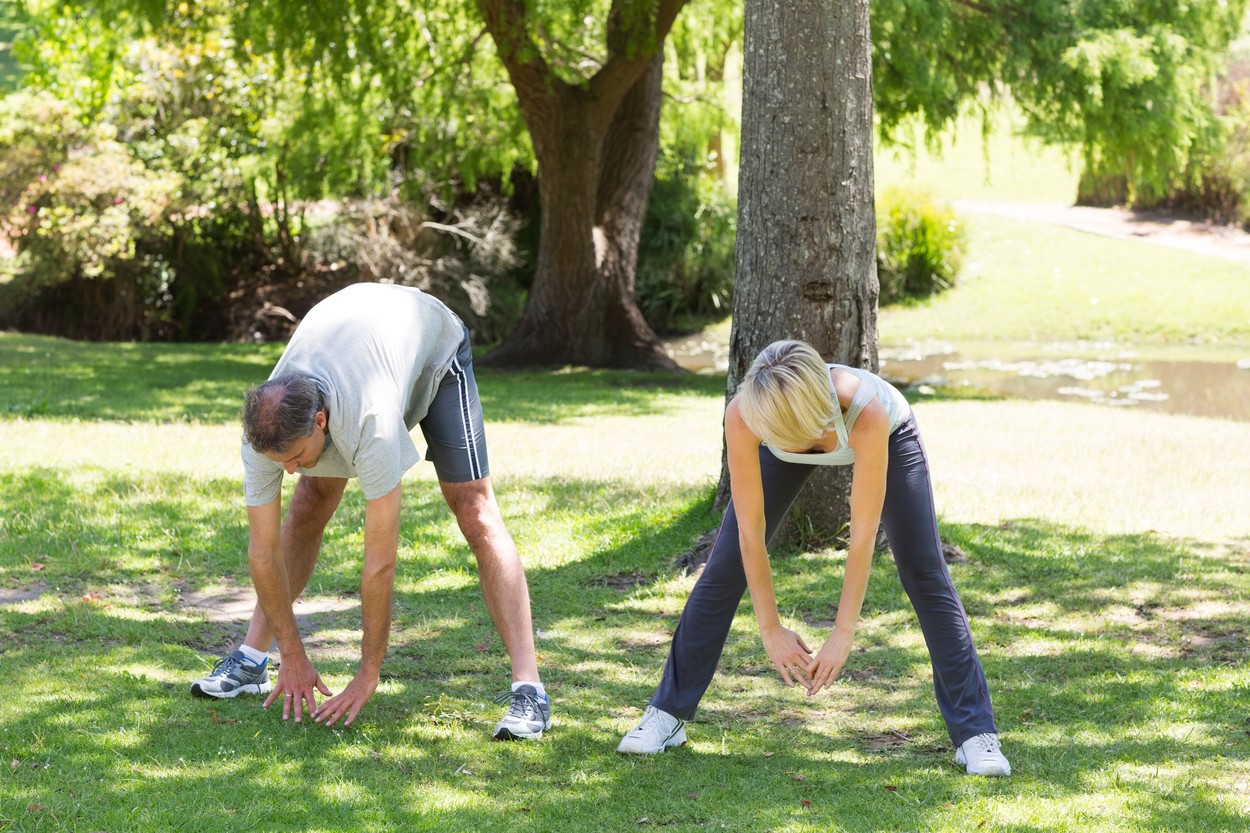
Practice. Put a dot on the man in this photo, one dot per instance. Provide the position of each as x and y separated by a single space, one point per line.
366 365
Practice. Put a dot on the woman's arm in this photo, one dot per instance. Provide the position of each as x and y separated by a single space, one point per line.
789 654
871 440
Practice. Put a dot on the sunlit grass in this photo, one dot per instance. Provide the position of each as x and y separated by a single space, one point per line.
1109 605
1029 282
1105 577
967 165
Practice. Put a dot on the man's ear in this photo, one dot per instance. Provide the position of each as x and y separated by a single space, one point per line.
322 419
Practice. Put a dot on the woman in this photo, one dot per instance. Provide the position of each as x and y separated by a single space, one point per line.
782 422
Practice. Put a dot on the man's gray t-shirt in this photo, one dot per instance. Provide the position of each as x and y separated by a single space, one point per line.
378 352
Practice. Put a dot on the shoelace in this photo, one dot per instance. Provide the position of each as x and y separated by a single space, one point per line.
985 743
226 665
524 705
650 717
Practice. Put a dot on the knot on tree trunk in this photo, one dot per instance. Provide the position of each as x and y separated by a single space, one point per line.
819 290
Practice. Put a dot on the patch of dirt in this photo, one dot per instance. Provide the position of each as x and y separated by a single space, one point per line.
236 605
14 595
621 581
893 739
231 610
694 558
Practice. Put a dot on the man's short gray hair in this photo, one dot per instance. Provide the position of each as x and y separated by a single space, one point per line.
281 411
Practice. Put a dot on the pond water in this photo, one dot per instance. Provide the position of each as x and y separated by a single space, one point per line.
1207 387
1168 380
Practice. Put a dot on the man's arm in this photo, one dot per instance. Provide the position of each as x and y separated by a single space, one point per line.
377 585
298 678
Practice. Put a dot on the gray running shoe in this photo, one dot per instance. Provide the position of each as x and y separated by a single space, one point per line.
528 715
232 675
657 731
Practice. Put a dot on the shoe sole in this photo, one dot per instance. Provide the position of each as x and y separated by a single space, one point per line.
253 688
504 733
993 772
678 739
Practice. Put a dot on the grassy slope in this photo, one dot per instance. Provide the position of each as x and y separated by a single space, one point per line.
1029 282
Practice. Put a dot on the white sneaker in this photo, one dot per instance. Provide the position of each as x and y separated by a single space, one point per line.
982 755
658 731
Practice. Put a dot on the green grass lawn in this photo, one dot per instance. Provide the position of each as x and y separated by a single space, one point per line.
1107 579
1037 283
1034 283
1109 604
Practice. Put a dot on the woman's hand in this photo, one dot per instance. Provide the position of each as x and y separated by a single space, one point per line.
824 668
789 653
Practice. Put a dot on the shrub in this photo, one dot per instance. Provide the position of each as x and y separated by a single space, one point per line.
686 255
85 214
463 256
920 246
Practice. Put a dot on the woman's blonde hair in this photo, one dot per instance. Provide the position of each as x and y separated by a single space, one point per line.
786 398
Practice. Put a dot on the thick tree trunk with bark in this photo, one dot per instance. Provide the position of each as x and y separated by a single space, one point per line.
596 146
806 256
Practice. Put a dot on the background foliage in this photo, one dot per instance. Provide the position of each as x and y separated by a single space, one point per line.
177 170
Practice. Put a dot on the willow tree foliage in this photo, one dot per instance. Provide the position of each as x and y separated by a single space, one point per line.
1129 83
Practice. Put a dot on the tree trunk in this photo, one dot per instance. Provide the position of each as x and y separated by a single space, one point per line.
596 145
806 262
593 190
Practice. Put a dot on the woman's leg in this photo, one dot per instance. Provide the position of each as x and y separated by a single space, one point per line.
704 624
911 525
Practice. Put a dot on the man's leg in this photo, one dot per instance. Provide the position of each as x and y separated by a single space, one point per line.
312 506
456 433
499 569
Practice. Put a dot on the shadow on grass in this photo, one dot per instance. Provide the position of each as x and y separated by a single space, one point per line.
1083 637
552 397
51 377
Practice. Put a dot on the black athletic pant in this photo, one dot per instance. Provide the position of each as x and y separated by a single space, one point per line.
910 523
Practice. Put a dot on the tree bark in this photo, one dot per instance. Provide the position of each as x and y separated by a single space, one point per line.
806 249
596 145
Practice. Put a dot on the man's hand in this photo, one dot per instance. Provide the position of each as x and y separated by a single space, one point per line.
789 653
827 664
349 702
297 685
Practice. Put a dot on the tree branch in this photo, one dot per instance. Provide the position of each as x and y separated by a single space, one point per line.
510 26
976 7
632 42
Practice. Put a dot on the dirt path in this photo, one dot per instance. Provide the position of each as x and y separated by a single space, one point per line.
1157 228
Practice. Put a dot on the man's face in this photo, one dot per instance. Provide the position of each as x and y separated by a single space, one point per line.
304 452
